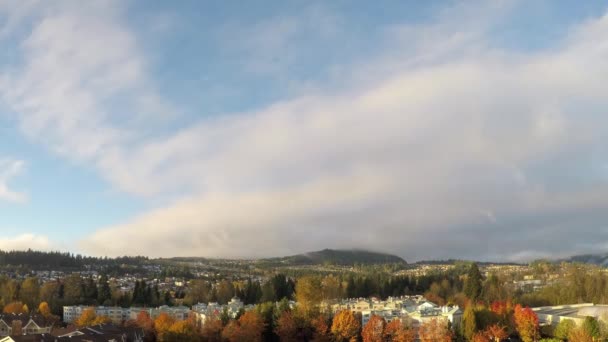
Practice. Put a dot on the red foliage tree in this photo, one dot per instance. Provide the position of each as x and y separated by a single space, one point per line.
526 323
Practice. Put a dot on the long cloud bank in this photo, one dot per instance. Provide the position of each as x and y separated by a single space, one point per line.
460 150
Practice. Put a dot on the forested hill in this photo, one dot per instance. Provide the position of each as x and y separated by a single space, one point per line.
337 257
594 259
58 260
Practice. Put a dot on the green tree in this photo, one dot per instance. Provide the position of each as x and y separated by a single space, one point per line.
564 328
104 295
592 327
473 283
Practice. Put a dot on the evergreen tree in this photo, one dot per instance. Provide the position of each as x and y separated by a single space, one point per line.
473 285
469 323
104 296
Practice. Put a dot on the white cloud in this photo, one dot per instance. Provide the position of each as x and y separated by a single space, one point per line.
410 161
24 242
10 168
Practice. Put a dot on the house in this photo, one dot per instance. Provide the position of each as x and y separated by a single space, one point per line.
22 324
104 332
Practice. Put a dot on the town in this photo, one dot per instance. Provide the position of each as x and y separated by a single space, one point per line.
250 300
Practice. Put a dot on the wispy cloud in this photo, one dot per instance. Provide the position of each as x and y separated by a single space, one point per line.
9 169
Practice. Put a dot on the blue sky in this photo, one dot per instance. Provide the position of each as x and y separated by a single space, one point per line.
271 128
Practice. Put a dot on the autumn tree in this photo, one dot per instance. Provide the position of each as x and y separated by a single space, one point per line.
73 290
320 327
496 332
373 331
469 322
29 292
331 287
16 308
308 295
526 323
145 322
480 336
434 330
346 326
162 324
212 330
248 328
286 327
50 292
44 309
183 331
87 317
397 331
101 320
579 335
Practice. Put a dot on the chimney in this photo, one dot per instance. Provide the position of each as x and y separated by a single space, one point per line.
17 327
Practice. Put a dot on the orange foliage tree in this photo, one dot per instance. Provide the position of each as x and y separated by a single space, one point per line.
396 331
321 329
480 336
496 332
15 308
373 331
212 330
434 331
248 328
526 323
346 326
286 327
145 322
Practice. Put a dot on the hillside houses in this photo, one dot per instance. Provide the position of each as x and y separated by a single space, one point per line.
415 309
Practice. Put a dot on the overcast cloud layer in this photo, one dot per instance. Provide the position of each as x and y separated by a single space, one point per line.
440 145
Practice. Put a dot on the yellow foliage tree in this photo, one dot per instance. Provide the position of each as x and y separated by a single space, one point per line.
87 318
163 323
346 326
44 309
101 320
308 295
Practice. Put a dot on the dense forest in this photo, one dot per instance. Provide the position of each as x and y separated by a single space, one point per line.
39 260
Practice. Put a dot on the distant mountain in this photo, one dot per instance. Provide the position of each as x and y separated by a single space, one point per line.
337 257
595 259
